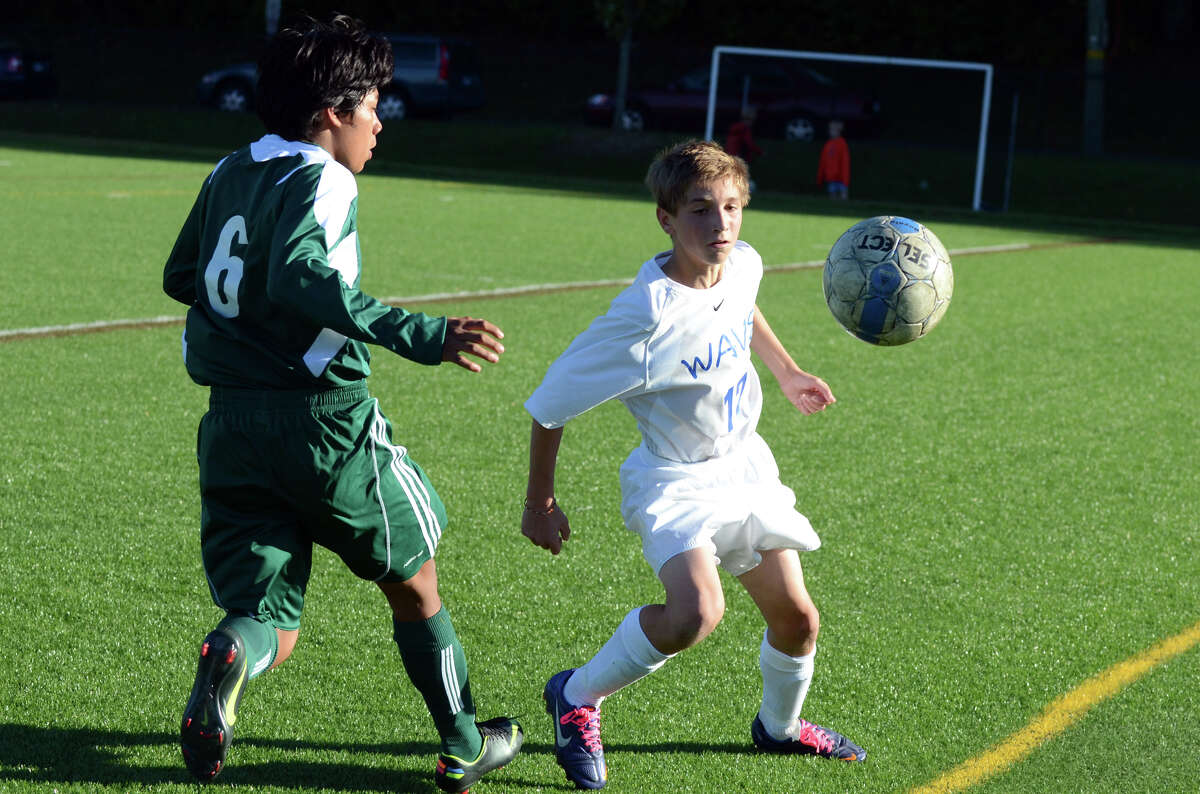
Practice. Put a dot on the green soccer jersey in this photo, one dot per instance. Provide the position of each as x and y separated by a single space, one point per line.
268 262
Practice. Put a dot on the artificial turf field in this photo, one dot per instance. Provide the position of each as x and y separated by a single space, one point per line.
1009 507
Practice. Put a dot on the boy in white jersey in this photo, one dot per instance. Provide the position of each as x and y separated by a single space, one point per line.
702 490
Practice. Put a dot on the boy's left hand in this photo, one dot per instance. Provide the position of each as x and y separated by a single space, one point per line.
547 529
807 392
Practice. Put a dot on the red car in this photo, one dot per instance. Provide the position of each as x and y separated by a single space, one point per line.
792 101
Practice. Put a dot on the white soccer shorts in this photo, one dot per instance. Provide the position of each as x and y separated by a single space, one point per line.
734 505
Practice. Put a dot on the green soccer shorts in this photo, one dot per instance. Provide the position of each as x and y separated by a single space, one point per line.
280 471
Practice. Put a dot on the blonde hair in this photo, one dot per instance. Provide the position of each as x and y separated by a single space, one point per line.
678 167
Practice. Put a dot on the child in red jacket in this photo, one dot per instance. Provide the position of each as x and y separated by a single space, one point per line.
833 169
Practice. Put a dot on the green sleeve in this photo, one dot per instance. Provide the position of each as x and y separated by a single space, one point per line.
303 277
413 335
179 275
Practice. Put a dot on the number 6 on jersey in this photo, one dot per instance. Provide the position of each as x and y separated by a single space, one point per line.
223 273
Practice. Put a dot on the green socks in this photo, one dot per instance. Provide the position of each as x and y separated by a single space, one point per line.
259 639
433 659
437 667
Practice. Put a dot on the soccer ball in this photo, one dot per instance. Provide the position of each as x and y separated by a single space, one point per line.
888 280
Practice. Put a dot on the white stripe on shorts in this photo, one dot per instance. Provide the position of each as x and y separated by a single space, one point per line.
414 488
387 526
431 528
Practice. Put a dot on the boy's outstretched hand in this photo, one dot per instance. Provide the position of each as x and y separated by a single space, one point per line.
807 392
471 336
545 526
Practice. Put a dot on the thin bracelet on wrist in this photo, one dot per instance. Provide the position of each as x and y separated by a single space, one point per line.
549 508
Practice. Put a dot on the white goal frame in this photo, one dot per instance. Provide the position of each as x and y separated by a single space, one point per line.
986 68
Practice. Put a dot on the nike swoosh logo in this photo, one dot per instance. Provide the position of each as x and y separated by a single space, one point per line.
231 701
559 739
719 305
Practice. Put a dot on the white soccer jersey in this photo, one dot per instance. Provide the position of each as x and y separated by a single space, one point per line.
677 357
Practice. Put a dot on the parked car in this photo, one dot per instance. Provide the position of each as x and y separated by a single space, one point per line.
25 73
792 101
230 88
433 75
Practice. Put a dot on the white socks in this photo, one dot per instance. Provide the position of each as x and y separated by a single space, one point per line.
627 656
785 685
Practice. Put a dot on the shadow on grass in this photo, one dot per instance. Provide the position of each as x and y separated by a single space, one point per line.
37 755
80 755
665 747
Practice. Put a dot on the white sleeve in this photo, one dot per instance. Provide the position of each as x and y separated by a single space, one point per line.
606 361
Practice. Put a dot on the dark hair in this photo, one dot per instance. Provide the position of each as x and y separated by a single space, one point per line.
312 65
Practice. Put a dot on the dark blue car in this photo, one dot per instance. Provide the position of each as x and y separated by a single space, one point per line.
433 76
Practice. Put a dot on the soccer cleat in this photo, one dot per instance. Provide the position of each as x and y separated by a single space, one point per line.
502 739
812 740
577 745
207 728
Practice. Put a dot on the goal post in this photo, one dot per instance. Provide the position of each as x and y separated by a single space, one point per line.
985 68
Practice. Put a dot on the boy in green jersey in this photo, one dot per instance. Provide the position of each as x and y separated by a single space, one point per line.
293 450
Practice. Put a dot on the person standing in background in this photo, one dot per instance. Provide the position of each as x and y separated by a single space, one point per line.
833 169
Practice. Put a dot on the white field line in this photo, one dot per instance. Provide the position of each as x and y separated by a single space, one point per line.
11 334
84 328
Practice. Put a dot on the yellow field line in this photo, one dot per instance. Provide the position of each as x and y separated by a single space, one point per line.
1060 715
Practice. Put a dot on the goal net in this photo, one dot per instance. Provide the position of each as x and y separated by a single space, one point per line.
939 108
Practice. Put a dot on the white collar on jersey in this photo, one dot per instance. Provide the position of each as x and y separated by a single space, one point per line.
270 146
